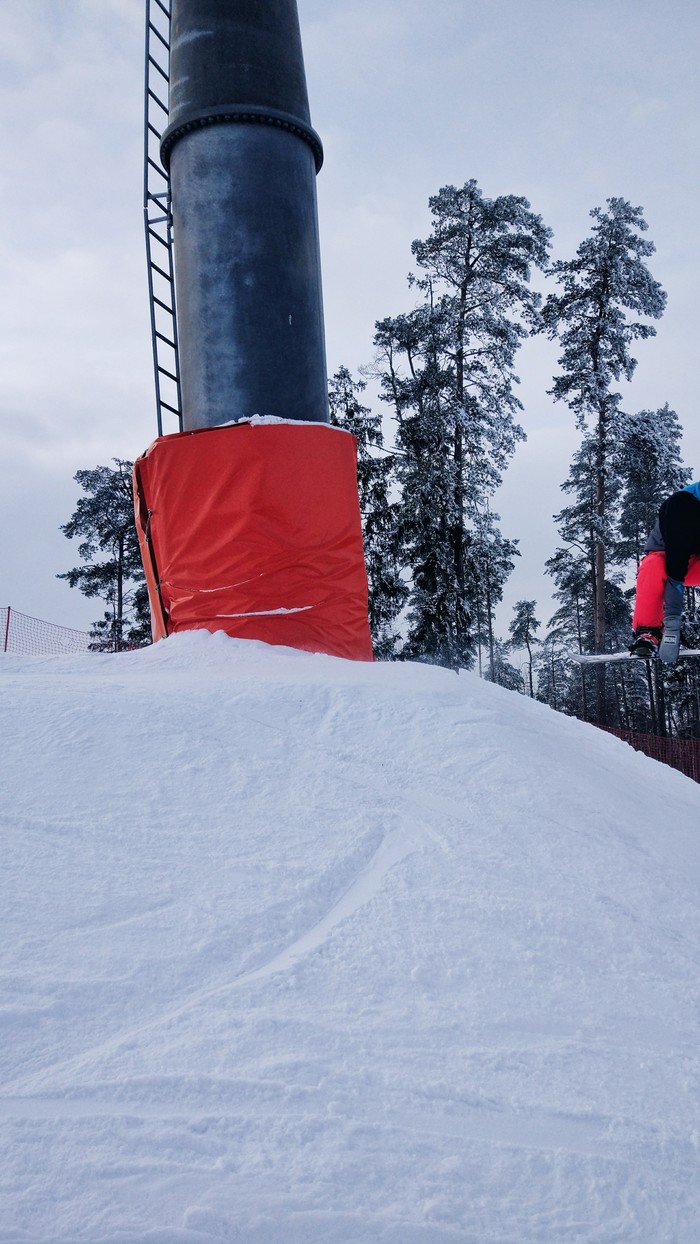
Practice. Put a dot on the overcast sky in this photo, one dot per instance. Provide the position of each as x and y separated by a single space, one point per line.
567 102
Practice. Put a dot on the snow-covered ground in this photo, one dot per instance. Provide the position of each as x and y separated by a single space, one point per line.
294 949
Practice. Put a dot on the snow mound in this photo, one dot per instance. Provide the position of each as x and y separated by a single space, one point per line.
296 949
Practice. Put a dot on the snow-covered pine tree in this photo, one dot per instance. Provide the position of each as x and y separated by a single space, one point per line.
650 468
490 560
375 474
439 616
447 368
554 673
603 287
104 516
581 530
573 567
501 670
523 634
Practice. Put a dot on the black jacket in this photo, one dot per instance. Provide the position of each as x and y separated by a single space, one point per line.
677 531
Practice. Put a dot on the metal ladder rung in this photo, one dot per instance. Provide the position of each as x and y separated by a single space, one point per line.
167 373
158 238
164 305
161 272
155 64
167 340
163 8
158 35
157 168
158 101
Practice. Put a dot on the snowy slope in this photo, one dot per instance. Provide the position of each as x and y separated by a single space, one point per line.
294 949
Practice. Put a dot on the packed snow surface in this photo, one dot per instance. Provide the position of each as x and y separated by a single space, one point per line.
295 949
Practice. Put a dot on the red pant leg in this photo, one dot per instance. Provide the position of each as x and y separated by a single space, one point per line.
651 581
649 600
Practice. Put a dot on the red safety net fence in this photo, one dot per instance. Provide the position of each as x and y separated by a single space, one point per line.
681 754
27 636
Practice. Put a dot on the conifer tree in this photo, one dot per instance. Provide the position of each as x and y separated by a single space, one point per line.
604 288
490 561
650 468
447 369
375 472
111 569
575 565
501 671
522 630
555 672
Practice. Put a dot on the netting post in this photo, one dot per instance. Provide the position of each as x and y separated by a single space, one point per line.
7 629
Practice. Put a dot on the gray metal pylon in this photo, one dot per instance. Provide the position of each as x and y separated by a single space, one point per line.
158 220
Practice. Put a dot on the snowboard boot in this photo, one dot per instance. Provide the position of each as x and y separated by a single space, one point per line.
673 621
670 641
646 642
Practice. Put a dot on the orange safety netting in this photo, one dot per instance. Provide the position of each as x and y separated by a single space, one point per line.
254 529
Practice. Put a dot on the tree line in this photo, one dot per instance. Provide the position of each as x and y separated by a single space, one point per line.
437 560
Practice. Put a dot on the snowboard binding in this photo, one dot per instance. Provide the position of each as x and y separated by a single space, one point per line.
651 642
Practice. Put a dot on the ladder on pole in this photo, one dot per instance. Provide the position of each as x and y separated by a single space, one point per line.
158 220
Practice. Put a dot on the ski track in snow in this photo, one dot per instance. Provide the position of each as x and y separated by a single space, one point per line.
391 851
357 955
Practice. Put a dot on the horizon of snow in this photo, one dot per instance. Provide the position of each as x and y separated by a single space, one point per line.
300 949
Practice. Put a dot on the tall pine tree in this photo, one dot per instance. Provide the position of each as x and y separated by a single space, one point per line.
447 368
375 473
111 568
604 289
523 634
650 468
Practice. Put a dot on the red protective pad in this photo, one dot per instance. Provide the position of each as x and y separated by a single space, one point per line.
254 529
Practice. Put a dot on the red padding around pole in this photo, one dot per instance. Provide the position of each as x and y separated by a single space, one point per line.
254 529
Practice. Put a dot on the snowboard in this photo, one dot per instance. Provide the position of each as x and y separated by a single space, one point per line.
601 658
